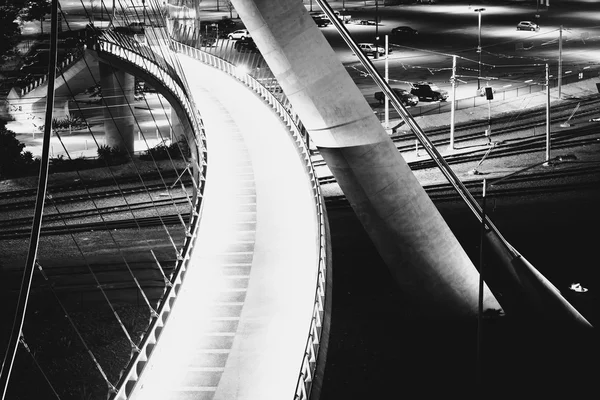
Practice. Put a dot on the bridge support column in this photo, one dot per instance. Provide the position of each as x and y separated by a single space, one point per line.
417 245
117 94
176 132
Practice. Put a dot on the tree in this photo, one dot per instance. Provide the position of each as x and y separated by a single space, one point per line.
230 7
10 150
9 30
37 11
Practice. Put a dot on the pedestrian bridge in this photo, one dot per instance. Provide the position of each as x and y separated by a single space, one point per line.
243 313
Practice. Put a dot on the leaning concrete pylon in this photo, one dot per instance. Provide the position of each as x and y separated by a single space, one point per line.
420 250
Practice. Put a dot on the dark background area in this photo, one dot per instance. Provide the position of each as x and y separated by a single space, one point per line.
375 352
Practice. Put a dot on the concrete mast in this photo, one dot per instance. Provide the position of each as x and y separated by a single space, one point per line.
418 247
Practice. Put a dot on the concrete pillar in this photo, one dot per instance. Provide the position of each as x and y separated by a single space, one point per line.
176 132
117 93
420 250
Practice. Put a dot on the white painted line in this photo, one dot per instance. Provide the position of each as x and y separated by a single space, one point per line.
212 351
196 389
220 334
206 369
237 265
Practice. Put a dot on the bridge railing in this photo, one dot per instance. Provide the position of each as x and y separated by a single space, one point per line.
164 73
315 333
61 66
146 59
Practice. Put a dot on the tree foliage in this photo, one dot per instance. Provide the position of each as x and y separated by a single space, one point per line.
13 160
9 29
36 11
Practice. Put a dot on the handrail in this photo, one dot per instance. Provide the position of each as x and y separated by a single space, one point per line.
67 62
161 71
310 358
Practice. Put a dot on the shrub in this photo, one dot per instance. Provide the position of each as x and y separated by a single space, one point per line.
13 160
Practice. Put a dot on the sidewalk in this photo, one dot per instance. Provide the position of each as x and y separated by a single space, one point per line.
492 167
575 90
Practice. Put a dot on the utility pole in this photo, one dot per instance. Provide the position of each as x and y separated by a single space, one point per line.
377 29
387 80
453 105
479 11
560 60
547 115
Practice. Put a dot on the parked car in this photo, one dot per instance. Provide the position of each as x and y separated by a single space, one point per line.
133 28
428 90
406 98
404 31
137 27
246 45
321 21
371 49
527 26
345 18
239 34
220 28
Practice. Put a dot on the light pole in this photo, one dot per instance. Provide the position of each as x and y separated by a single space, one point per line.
376 29
479 11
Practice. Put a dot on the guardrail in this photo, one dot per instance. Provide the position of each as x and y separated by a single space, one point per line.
67 62
162 71
110 44
309 361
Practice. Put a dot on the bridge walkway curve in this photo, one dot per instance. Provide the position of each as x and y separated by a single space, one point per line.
240 323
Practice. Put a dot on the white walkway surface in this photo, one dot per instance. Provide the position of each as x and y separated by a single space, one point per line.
240 324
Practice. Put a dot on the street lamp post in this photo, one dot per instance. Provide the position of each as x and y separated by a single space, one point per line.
479 11
376 29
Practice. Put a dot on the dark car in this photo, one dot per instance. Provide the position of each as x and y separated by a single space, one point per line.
428 91
320 21
134 28
246 45
406 98
404 31
220 28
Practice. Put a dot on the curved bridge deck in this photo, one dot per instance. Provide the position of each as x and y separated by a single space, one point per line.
239 326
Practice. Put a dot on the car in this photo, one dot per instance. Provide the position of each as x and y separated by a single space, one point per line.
345 18
321 21
428 90
371 49
246 45
406 98
527 26
239 34
136 27
368 22
404 31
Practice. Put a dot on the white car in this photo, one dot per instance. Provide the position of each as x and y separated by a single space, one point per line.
371 49
527 26
239 34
